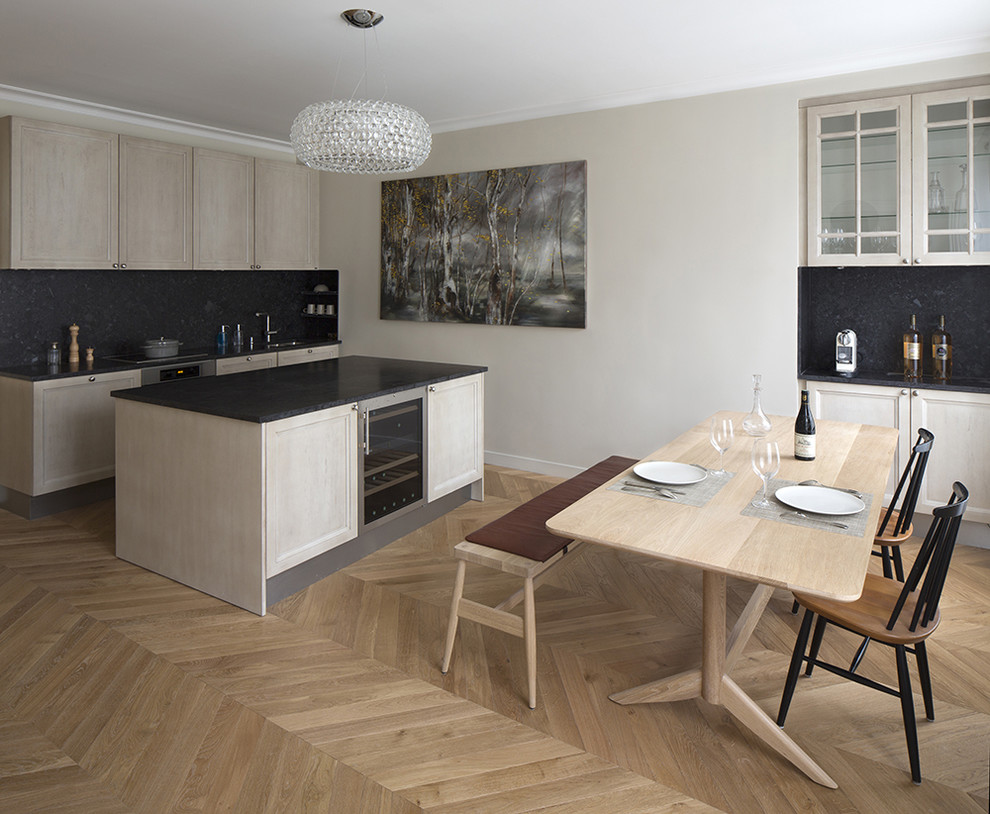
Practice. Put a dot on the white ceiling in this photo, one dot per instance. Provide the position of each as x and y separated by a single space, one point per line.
249 66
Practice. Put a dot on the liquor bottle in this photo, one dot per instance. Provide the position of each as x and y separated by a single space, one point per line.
941 352
804 431
912 351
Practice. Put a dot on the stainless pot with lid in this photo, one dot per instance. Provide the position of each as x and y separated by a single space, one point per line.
160 348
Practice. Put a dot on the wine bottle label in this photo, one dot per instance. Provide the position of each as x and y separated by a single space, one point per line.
804 445
942 351
912 350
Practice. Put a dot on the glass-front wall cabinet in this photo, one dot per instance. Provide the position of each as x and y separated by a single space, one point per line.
901 179
858 182
952 176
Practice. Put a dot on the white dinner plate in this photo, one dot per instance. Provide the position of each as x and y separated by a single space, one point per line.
670 472
819 499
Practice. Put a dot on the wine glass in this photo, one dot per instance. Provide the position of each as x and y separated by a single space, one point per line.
721 438
766 462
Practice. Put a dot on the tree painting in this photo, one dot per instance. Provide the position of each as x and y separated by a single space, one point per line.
500 247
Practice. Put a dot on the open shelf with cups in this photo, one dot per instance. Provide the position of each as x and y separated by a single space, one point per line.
320 305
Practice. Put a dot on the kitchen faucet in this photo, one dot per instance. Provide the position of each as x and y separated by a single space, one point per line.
269 333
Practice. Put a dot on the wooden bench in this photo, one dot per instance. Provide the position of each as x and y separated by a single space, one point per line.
518 543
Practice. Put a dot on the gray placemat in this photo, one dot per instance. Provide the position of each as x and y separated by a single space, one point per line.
783 513
693 494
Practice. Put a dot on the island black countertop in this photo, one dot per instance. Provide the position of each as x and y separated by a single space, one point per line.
956 383
274 393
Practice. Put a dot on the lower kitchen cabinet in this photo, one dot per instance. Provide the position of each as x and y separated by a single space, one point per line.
959 420
311 485
58 433
299 356
456 436
240 364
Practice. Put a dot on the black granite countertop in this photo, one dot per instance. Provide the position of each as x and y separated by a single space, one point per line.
958 384
267 395
40 372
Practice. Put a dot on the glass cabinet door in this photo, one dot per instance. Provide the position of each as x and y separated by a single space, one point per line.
859 182
952 176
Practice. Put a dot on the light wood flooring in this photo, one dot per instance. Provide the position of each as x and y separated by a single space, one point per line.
121 691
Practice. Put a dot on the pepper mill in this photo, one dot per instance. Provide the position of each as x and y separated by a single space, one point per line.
89 358
74 344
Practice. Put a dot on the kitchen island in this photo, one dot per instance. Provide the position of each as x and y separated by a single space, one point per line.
250 486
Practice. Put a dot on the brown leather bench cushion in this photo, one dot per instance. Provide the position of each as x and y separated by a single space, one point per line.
523 531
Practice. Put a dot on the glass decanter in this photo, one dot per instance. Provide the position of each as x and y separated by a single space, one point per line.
936 195
962 195
756 423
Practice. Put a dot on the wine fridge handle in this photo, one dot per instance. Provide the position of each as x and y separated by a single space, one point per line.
367 434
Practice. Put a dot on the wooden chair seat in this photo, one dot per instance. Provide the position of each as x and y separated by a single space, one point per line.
888 538
869 614
518 543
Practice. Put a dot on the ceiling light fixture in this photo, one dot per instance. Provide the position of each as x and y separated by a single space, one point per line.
361 136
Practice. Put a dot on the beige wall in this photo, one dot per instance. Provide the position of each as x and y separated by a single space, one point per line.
693 224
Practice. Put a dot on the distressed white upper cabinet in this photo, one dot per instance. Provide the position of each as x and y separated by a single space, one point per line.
254 213
286 215
952 176
311 485
58 196
156 204
902 179
455 436
859 182
960 422
223 210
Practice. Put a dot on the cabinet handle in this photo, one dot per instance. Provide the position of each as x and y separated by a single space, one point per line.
433 388
917 261
914 392
123 265
905 261
904 392
116 265
367 434
310 350
92 378
250 358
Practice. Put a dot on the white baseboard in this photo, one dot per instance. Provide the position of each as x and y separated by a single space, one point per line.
532 464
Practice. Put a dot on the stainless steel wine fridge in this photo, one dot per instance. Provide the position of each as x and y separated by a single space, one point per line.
393 436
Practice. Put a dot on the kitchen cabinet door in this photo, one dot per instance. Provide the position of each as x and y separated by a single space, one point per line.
311 485
859 182
456 436
286 216
961 424
951 169
74 429
867 404
156 204
58 202
223 210
959 421
240 364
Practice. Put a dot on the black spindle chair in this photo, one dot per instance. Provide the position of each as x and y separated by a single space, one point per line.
899 615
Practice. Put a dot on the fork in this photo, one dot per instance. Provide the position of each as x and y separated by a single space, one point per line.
663 490
805 517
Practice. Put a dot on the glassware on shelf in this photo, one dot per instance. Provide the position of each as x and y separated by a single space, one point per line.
756 423
766 463
936 194
961 203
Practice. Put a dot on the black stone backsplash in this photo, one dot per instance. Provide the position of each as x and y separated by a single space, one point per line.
117 311
877 304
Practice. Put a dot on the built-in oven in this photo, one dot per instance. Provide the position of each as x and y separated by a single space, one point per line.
169 368
393 460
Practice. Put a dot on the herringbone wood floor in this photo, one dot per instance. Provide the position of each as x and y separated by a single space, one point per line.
123 691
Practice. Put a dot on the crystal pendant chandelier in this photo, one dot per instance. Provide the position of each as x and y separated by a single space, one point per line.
361 136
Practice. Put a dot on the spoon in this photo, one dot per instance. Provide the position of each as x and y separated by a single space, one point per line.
805 517
814 482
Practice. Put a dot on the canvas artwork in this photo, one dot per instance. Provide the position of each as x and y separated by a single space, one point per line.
498 247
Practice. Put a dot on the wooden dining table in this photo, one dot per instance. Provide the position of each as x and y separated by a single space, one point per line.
722 542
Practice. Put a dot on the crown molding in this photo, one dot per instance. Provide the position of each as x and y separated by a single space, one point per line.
78 106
